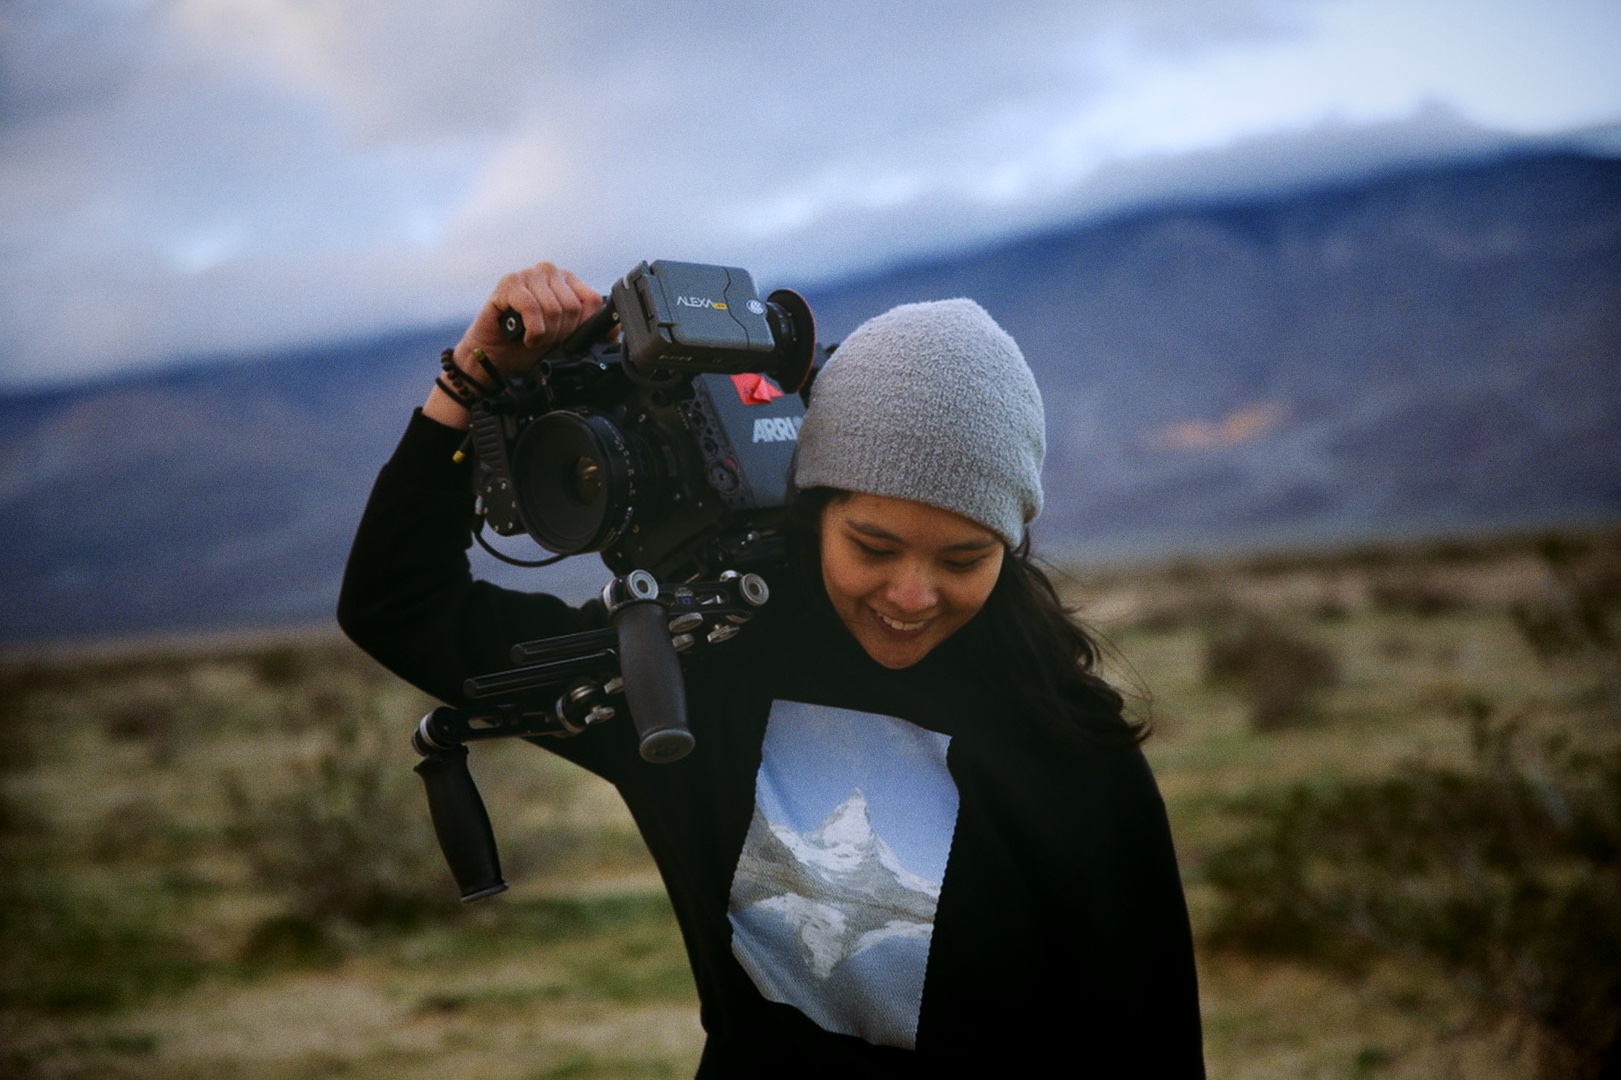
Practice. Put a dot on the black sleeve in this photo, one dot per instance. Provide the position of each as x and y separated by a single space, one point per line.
1065 916
409 598
1143 936
1132 949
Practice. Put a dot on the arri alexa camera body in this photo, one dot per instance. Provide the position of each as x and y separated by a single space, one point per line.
668 451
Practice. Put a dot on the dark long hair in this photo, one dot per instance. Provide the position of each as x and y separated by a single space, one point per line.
1039 655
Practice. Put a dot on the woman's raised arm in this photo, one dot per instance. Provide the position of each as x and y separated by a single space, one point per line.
409 597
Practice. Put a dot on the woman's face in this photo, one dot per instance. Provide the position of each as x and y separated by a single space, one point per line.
904 576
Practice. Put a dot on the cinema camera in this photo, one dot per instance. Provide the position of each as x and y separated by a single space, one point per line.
668 452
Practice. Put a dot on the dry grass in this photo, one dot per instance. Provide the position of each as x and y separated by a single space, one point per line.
1417 668
152 926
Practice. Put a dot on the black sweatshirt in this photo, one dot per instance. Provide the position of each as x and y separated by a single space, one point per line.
874 871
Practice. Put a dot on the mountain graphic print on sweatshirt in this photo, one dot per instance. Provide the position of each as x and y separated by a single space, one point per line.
833 900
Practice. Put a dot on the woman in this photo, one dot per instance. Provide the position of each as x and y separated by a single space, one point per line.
916 833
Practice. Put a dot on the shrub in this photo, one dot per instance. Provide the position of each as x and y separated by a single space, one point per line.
1280 675
1506 876
73 945
1577 616
66 947
1415 593
343 832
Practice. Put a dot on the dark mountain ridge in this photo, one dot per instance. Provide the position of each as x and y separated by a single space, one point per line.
1431 350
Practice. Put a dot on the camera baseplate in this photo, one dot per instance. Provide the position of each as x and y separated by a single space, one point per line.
637 657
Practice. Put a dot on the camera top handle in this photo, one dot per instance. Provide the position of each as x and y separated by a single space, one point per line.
683 318
593 329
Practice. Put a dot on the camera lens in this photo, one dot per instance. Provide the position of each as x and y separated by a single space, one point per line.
575 474
587 479
794 329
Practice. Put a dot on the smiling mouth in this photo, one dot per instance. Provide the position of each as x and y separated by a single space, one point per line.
897 624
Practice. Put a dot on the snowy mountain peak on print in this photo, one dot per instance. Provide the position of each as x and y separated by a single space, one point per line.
845 849
840 887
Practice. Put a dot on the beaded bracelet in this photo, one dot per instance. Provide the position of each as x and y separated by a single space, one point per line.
455 383
466 401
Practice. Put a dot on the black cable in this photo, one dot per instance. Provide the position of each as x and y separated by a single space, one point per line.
478 534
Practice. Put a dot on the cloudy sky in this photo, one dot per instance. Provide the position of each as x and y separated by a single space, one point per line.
185 178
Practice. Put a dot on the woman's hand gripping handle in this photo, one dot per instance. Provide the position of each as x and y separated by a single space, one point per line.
550 304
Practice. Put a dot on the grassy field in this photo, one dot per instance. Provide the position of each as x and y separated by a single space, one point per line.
216 861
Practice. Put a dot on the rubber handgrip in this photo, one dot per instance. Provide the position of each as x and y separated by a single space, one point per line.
654 689
461 823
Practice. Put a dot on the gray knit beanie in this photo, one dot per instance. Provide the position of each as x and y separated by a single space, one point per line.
932 403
